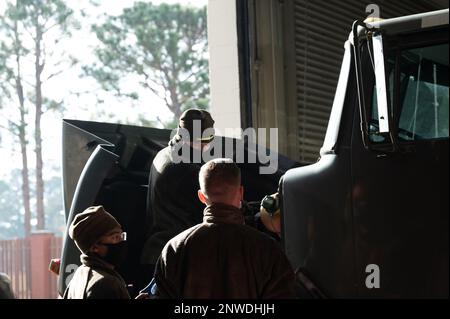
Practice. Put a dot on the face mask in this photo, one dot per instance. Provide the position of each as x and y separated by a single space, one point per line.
116 253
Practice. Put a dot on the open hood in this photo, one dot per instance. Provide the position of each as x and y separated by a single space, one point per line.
108 164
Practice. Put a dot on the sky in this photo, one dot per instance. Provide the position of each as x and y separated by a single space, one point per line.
80 45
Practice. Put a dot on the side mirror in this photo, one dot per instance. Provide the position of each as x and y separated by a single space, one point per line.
381 87
368 40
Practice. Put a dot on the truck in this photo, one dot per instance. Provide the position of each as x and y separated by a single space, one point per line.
369 219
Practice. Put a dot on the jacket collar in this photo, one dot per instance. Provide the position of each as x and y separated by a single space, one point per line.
95 262
223 214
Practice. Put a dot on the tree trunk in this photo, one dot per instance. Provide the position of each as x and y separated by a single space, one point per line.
176 105
25 173
39 66
23 139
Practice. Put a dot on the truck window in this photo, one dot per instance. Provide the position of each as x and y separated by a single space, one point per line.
424 111
423 87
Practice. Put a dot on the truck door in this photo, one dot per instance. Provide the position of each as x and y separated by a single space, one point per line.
400 192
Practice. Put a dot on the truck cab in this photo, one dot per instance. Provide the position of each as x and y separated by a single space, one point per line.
370 218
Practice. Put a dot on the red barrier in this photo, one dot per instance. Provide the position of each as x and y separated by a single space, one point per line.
26 262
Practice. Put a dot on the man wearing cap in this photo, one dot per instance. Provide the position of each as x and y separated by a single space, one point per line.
172 202
101 241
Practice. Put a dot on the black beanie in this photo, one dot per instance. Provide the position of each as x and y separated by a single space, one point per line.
89 226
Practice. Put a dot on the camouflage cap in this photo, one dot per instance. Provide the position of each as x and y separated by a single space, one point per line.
205 121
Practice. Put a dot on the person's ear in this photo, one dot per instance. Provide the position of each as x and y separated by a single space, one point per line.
202 197
241 190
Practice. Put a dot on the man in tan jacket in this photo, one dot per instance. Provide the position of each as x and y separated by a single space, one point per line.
222 257
102 243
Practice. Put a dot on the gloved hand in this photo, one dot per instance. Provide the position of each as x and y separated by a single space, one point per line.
270 213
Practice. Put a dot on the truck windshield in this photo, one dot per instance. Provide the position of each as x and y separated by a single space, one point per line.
422 82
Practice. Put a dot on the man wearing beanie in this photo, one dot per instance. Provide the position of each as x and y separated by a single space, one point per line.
101 241
172 203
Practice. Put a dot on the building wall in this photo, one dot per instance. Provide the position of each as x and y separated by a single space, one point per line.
224 65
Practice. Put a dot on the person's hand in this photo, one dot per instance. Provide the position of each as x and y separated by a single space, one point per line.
143 296
272 220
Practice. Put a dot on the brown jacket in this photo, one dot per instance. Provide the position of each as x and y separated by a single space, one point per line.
223 258
94 279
